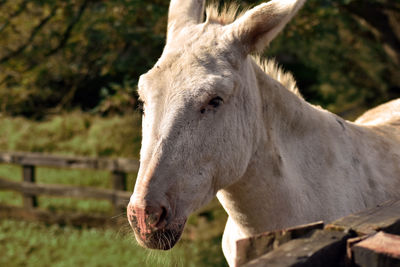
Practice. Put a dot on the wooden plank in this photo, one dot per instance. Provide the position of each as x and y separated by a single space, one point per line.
30 200
74 219
119 183
120 198
385 217
379 250
38 159
119 180
250 248
324 248
349 244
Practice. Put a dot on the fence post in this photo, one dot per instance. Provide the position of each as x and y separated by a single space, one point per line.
30 201
119 183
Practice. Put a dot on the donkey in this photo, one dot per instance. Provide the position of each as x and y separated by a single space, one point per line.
216 122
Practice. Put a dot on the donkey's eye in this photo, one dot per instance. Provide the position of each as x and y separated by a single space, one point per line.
212 104
140 106
215 102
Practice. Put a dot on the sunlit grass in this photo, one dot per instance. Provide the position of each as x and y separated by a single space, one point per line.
75 133
74 205
10 198
35 244
12 172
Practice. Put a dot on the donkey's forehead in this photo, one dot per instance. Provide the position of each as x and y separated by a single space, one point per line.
191 73
202 63
203 44
198 59
194 36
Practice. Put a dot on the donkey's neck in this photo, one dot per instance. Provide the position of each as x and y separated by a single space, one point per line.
294 147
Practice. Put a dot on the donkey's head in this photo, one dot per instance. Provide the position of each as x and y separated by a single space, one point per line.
202 114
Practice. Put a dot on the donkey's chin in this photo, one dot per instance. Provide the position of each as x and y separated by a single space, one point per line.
162 239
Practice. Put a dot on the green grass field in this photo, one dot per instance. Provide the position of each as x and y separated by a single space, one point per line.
37 244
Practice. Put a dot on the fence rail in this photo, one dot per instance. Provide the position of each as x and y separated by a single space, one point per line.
38 159
26 188
30 189
368 238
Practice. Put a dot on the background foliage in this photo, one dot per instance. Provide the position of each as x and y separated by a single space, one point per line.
88 54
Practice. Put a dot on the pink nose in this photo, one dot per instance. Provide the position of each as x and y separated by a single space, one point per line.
146 220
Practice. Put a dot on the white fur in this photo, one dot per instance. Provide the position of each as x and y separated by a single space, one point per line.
275 160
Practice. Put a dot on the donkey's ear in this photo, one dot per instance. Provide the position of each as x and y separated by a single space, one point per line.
184 12
260 25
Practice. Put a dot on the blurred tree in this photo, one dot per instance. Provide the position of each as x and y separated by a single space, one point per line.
89 54
382 20
59 54
342 61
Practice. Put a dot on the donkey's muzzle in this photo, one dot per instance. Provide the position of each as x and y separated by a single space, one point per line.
151 227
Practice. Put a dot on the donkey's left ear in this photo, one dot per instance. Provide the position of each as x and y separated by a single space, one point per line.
260 25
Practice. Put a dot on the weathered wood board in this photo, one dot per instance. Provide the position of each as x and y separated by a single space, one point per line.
38 159
322 248
119 198
345 242
380 249
65 218
384 217
253 247
30 200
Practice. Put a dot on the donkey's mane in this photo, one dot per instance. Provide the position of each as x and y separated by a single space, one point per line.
272 68
229 13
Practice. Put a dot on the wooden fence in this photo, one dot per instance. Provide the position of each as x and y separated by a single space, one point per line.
30 189
369 238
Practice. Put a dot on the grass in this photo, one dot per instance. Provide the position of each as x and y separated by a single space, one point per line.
76 133
14 173
38 244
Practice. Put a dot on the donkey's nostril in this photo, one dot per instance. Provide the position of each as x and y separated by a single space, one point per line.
145 220
156 217
162 219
